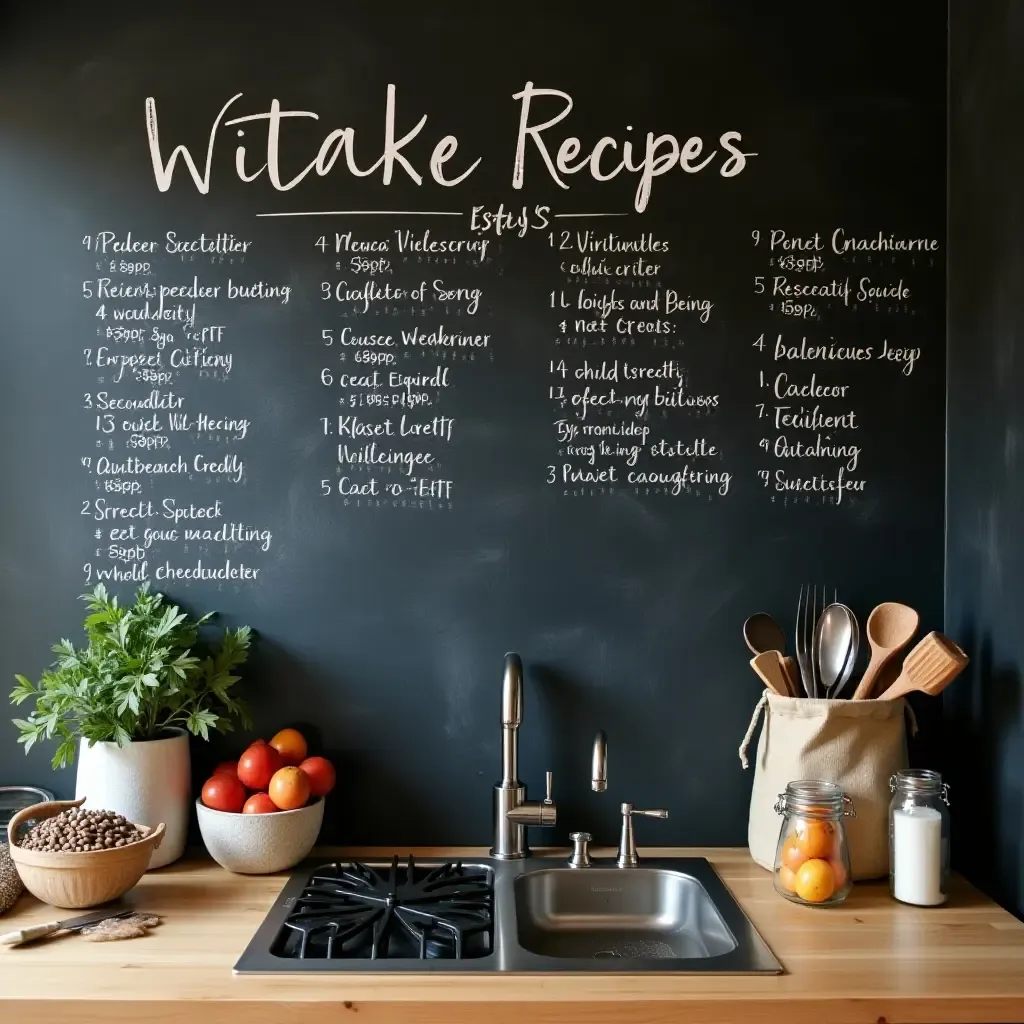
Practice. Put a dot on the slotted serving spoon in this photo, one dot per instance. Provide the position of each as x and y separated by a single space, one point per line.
930 667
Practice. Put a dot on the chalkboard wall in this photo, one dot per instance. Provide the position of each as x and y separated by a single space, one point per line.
643 385
985 553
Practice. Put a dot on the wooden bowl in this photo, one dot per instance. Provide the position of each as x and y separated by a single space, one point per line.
77 880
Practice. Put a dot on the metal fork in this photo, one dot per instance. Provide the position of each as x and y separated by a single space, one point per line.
808 613
803 653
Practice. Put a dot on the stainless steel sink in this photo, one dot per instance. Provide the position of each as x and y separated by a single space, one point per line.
641 913
667 915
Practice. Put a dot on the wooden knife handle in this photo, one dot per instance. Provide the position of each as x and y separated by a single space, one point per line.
30 934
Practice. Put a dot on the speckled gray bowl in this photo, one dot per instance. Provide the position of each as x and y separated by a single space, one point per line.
260 844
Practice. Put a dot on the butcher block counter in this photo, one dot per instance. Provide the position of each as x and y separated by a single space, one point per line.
870 961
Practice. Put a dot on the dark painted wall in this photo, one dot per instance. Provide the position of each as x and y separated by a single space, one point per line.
985 533
386 626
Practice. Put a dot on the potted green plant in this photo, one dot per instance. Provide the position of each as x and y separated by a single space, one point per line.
127 702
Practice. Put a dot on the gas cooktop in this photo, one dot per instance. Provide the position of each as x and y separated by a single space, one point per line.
357 911
402 911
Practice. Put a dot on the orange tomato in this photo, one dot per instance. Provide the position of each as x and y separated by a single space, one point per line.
223 793
792 856
321 775
259 803
787 879
815 839
289 788
815 882
291 745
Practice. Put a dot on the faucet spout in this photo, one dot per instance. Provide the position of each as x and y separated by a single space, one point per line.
513 813
511 719
599 763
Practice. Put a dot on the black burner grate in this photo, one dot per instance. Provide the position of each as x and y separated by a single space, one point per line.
354 911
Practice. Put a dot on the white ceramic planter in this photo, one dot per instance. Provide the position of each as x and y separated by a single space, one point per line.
148 782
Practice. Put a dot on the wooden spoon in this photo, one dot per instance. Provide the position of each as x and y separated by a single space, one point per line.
792 674
768 665
930 667
762 633
891 626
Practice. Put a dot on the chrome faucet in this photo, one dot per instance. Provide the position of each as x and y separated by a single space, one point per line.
513 813
627 857
598 783
599 763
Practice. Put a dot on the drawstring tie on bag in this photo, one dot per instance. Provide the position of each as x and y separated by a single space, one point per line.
751 729
748 736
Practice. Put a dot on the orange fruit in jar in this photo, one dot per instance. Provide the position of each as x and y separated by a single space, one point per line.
791 856
839 871
291 745
289 788
787 879
815 839
815 882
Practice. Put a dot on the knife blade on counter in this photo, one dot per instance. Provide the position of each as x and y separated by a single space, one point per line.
72 924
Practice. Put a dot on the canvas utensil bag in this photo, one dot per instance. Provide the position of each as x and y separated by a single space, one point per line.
858 744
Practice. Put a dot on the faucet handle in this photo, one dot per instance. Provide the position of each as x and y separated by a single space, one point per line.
627 857
580 854
547 779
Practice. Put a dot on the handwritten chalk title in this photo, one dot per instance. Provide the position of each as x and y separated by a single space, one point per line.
608 158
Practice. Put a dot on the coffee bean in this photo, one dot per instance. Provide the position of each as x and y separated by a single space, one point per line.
80 831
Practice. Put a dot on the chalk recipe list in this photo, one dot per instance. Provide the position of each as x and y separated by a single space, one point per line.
412 311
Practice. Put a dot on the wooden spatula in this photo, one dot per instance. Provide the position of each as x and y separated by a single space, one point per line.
768 665
930 667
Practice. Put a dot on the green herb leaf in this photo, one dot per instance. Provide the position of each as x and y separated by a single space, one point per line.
143 667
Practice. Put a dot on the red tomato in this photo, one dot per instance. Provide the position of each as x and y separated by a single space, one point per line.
224 793
227 768
259 803
257 765
321 775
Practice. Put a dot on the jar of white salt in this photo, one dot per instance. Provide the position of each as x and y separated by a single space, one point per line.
919 837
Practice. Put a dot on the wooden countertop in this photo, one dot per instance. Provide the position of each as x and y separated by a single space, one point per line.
870 961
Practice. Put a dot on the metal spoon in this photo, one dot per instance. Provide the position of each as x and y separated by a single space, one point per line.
836 646
762 633
851 662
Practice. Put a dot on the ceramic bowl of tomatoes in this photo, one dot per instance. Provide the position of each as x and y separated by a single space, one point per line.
262 813
260 844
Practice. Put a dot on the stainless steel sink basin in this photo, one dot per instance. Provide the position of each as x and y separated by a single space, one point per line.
639 913
667 915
